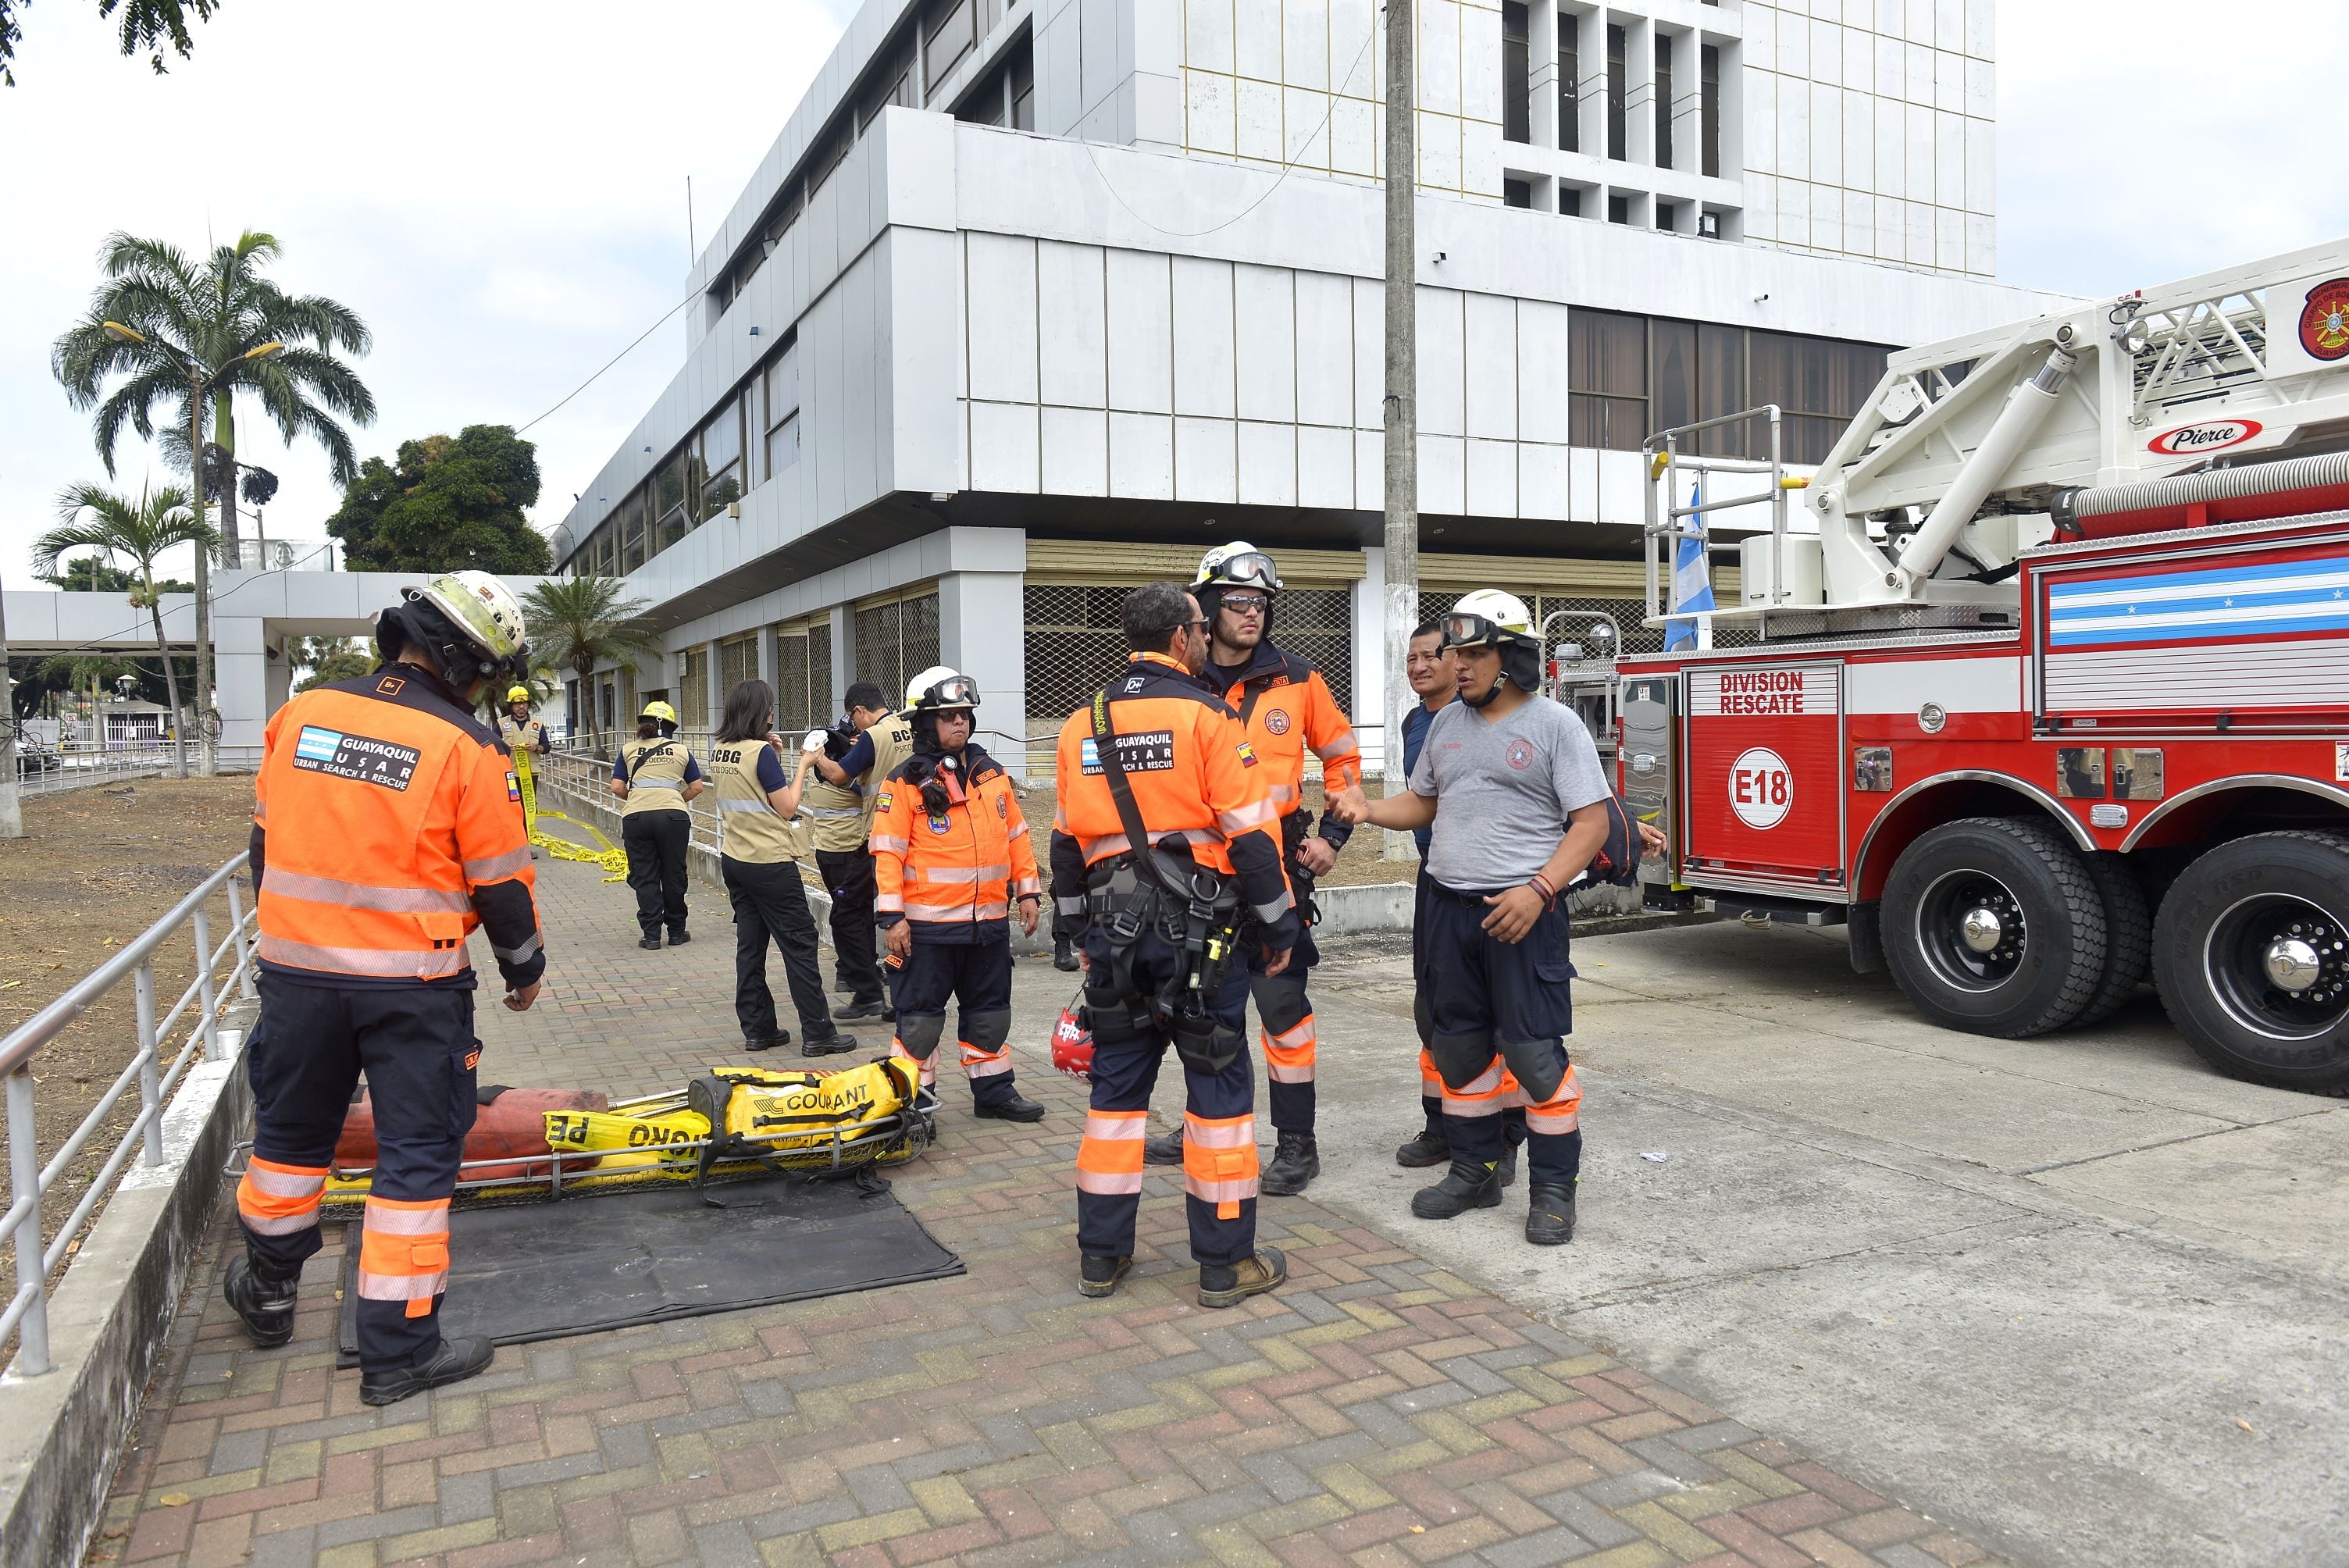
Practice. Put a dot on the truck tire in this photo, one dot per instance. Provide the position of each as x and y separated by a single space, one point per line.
2252 959
1995 927
2128 936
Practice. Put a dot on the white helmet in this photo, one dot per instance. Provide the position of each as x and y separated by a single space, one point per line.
1487 616
483 611
1238 564
940 686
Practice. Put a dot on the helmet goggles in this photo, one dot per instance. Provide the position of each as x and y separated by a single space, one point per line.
1250 569
955 691
1475 631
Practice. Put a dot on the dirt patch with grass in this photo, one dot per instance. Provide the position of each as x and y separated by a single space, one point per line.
96 868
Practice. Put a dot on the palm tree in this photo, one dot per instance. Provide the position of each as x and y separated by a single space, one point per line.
141 531
182 332
582 622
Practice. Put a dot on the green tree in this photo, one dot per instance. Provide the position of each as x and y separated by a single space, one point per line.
582 622
343 666
84 676
145 24
447 504
171 329
141 531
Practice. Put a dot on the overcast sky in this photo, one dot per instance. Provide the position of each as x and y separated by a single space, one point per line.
498 188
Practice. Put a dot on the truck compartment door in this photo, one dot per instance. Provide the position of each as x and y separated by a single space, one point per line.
1763 774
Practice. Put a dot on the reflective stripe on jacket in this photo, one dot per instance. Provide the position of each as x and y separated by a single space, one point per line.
387 827
964 867
749 829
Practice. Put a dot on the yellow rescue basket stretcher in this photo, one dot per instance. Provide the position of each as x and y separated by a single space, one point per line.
733 1123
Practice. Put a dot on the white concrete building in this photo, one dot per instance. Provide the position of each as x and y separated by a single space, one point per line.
1034 300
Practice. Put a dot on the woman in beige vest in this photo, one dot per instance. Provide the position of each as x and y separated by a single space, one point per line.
656 776
759 846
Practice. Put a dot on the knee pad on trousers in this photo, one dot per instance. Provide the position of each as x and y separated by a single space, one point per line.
1279 1001
919 1033
1460 1059
1113 1019
1535 1065
987 1031
1423 1018
1205 1044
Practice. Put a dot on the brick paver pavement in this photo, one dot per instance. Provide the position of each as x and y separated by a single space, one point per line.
1377 1409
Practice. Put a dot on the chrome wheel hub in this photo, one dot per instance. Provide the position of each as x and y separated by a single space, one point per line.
1970 928
2293 964
2279 966
1982 930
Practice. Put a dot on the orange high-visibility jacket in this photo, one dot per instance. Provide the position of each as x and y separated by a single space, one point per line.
962 867
1195 776
386 825
1286 707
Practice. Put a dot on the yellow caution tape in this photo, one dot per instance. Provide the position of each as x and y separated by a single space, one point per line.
614 861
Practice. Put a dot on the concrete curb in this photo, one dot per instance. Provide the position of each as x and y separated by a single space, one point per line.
64 1430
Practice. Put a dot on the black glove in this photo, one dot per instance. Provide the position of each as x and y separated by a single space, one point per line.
839 739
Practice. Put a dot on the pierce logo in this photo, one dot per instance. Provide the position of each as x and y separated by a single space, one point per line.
1761 788
2206 437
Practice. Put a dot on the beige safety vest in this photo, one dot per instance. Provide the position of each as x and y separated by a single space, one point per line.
527 736
836 815
893 742
655 776
749 829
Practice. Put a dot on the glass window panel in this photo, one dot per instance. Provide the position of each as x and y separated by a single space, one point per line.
721 437
668 484
1673 344
1617 86
1516 74
783 386
1022 91
1721 387
720 490
783 446
952 33
1663 102
1607 352
1709 111
633 543
1569 79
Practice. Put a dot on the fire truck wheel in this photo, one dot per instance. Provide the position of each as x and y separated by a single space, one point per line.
2252 958
1994 925
2128 936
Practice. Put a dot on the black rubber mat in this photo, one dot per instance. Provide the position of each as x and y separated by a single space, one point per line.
546 1271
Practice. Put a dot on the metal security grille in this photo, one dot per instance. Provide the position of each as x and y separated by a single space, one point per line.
895 641
1074 643
738 661
820 709
791 681
693 689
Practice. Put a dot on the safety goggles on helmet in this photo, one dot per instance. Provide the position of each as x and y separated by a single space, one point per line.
955 691
1475 631
1251 568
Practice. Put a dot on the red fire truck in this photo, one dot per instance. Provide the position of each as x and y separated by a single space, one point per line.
2040 682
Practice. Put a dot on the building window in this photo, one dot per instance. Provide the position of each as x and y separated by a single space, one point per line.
1618 85
1569 200
1516 74
1618 209
1006 96
1516 193
1817 382
633 550
720 451
1606 375
693 689
782 410
1721 389
738 661
1569 79
1664 101
1709 110
896 639
804 676
1668 216
953 34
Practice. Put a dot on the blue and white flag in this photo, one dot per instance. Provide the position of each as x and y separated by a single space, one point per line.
1692 577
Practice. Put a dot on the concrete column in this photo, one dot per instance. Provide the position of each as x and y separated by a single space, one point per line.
844 655
1368 695
980 618
277 683
1541 53
714 680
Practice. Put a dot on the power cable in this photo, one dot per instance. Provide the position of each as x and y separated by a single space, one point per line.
610 363
1286 167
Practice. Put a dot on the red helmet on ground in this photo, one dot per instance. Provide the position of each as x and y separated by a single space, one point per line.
1072 1043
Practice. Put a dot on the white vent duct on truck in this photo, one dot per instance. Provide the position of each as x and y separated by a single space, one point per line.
2027 408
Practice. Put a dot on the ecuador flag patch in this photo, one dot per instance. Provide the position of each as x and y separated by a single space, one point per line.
1247 753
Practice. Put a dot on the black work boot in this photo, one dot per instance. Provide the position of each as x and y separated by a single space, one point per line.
1100 1275
1507 1170
263 1298
680 938
1064 955
650 941
1165 1150
830 1044
1017 1108
1463 1186
766 1039
849 1012
1294 1163
1428 1149
451 1361
1549 1215
1228 1284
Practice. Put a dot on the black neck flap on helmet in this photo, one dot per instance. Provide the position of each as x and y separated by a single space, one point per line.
461 664
1521 661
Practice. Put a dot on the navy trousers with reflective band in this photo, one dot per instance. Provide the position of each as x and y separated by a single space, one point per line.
1289 1042
769 904
416 1047
1513 1119
1123 1076
848 877
976 977
656 844
1517 993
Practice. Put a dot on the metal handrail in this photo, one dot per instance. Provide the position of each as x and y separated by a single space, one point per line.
1660 455
210 990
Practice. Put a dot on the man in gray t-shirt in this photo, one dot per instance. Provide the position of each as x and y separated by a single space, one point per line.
1513 787
1507 787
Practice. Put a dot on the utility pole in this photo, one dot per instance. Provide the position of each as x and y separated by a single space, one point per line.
201 709
12 810
1402 397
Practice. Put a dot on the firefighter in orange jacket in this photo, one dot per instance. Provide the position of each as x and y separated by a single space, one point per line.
387 827
1165 842
1286 708
950 857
